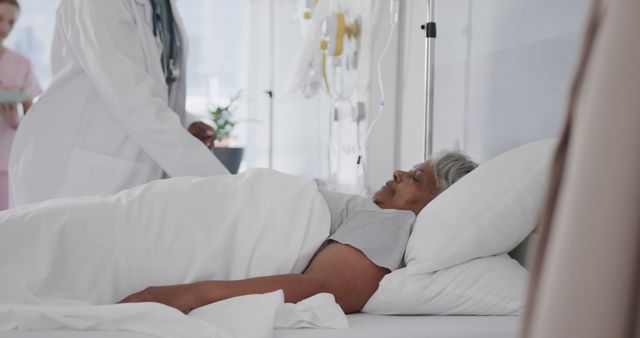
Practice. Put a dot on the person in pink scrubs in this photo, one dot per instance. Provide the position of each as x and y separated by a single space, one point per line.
15 74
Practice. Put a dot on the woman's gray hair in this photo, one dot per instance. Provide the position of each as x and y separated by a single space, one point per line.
450 166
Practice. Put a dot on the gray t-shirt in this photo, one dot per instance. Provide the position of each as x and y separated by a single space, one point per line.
380 234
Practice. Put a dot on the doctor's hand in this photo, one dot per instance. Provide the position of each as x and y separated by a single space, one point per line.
9 114
203 132
182 297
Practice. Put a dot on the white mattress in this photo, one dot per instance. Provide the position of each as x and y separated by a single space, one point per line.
361 326
372 326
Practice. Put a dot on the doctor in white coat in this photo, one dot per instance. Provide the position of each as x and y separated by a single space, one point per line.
114 115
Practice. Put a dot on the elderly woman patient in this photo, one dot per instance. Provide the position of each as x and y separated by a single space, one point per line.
209 239
362 248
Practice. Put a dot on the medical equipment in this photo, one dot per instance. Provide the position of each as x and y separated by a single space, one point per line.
340 44
429 48
335 29
308 8
393 20
269 92
336 35
335 57
169 63
306 75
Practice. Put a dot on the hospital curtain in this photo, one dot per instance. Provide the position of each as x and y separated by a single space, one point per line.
586 275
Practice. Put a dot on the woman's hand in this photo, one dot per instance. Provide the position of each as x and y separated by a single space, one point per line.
182 297
9 113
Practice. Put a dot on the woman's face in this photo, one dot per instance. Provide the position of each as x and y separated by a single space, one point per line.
8 16
408 190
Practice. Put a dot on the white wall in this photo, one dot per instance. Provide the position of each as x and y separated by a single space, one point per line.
300 125
503 70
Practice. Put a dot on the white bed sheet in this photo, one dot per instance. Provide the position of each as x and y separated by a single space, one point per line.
375 326
361 326
75 334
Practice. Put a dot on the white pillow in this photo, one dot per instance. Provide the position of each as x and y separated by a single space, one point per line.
488 212
491 286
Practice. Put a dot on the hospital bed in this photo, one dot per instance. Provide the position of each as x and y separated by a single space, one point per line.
361 326
369 325
374 326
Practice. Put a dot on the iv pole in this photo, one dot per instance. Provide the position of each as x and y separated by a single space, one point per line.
429 46
271 78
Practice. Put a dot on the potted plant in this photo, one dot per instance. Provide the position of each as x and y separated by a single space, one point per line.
222 118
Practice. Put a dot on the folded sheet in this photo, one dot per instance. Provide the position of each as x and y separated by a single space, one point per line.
319 311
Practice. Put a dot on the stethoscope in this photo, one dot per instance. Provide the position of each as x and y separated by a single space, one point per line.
169 67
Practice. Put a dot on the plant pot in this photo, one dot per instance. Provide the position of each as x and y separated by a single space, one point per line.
230 157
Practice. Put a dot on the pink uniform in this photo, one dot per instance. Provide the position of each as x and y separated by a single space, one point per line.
15 73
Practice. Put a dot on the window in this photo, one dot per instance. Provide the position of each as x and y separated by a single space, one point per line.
217 50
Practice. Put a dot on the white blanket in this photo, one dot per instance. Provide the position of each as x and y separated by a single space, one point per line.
97 250
251 316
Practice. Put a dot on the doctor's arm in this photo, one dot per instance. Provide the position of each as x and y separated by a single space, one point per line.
338 269
203 132
9 114
107 38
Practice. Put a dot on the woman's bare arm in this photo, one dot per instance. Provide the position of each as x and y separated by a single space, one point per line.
26 105
346 273
338 269
9 114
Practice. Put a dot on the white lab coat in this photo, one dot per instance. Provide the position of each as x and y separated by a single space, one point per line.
105 123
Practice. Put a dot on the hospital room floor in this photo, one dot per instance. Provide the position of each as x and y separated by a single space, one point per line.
361 326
